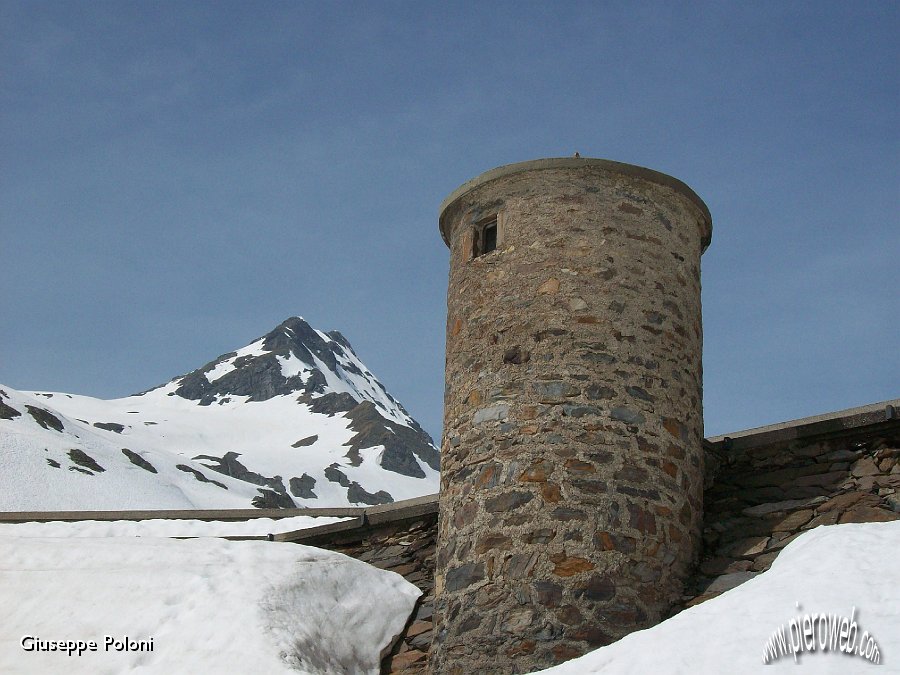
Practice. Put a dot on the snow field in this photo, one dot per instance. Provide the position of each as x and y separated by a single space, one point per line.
209 606
831 570
167 431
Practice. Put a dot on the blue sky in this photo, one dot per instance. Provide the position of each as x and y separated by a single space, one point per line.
179 177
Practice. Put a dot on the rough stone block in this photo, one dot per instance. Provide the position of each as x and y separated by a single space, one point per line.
464 576
491 413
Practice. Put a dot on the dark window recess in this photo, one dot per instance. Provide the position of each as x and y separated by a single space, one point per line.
485 239
490 237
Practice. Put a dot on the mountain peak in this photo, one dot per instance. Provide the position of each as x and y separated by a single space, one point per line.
293 418
296 337
292 358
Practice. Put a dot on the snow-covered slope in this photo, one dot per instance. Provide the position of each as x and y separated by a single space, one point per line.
826 575
292 419
203 605
235 607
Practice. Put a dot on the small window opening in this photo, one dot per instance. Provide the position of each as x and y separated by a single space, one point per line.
485 237
490 237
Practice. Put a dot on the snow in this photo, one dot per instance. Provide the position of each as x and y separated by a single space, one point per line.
361 387
220 370
830 570
170 430
401 487
209 605
28 483
224 367
292 366
158 527
219 606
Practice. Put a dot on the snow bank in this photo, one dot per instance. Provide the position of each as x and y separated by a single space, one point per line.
831 570
157 527
205 605
39 473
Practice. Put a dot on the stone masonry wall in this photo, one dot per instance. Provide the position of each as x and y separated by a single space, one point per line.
761 494
764 497
572 477
405 546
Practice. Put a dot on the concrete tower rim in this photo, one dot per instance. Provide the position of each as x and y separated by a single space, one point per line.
612 166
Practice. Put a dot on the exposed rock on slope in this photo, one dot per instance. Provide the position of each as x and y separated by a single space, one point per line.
271 424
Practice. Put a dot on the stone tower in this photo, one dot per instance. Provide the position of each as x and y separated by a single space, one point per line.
572 466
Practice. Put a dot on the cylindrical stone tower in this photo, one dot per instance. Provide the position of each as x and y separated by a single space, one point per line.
572 466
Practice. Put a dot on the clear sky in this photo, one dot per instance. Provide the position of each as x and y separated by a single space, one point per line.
179 177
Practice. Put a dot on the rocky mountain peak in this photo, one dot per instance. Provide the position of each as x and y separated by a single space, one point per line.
296 337
291 358
294 418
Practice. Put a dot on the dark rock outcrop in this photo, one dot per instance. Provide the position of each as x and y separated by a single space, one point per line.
332 403
402 444
82 459
335 475
110 426
137 460
259 376
269 499
7 412
303 487
199 476
45 418
304 442
357 495
229 465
